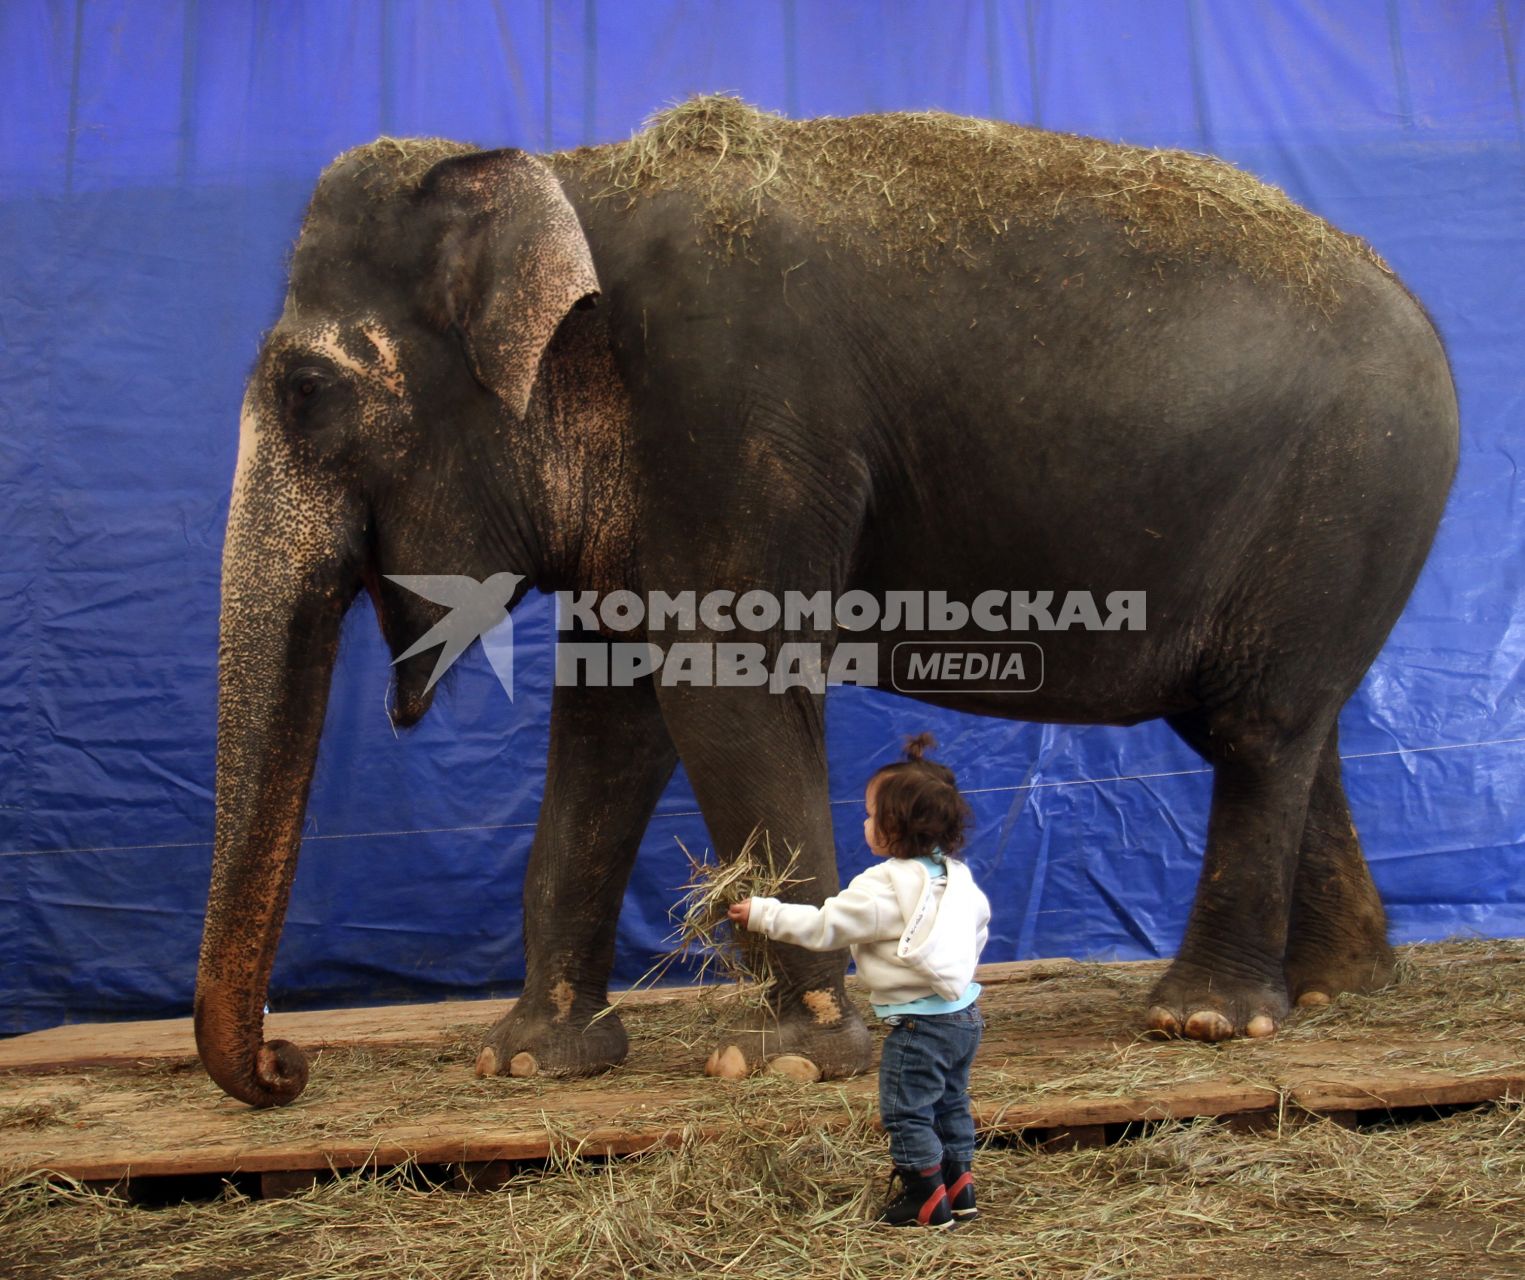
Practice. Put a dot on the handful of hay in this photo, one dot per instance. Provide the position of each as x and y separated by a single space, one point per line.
725 953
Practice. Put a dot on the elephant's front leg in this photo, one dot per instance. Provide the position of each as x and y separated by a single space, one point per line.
610 758
758 758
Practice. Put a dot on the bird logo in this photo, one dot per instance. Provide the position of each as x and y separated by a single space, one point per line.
477 610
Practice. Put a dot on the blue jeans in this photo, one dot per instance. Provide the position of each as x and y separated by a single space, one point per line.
924 1087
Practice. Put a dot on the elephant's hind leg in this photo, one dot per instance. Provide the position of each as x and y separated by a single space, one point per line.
1228 977
1337 940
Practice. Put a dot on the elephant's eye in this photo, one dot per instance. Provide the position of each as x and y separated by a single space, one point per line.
303 385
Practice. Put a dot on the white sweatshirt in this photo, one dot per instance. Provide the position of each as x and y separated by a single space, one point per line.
912 934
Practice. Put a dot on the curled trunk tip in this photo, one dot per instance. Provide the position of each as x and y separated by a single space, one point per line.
262 1073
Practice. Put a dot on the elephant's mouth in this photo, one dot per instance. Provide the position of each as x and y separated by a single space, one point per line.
411 701
412 696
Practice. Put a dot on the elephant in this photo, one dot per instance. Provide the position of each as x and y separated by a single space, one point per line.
913 355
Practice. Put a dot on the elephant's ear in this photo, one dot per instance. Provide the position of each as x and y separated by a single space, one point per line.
512 261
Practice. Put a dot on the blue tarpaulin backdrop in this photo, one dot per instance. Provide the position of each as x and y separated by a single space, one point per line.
154 162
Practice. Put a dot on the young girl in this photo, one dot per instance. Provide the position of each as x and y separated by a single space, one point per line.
916 924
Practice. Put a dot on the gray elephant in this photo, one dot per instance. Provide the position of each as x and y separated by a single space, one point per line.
894 354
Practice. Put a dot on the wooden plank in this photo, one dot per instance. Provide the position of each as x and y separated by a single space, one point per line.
457 1139
105 1044
1378 1092
1183 1102
131 1043
104 1124
409 1143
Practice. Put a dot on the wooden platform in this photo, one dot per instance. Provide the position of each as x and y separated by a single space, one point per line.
1060 1063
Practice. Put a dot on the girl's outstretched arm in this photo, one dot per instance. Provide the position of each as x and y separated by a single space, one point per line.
867 910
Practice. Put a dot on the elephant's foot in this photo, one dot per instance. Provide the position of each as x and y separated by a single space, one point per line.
1191 1002
822 1040
539 1043
1316 974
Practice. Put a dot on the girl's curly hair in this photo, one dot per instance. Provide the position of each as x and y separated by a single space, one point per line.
917 806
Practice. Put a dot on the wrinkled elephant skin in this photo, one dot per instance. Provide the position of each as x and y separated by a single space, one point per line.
893 354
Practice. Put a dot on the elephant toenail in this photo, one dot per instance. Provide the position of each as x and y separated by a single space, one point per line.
1208 1024
487 1062
795 1067
1160 1019
523 1065
1261 1025
1312 999
728 1063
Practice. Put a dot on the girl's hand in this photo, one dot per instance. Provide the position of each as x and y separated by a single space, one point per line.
740 912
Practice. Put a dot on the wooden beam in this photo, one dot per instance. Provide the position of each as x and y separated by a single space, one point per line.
279 1184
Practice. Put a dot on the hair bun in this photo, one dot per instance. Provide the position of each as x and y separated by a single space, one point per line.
918 746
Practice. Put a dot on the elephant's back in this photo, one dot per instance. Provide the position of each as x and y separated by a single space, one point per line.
932 191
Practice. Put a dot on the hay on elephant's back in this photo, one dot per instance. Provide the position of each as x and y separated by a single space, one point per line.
391 166
383 169
903 187
720 952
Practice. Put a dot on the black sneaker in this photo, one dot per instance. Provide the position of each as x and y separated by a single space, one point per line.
922 1202
960 1184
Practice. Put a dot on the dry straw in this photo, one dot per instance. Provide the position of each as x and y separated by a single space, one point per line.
718 951
923 187
388 166
1188 1200
786 1190
919 188
1456 1008
913 187
39 1113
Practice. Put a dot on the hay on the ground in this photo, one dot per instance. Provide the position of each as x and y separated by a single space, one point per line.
38 1114
787 1189
771 1202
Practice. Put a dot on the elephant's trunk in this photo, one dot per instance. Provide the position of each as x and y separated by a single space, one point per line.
290 569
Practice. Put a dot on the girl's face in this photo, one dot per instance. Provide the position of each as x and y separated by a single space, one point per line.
870 829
